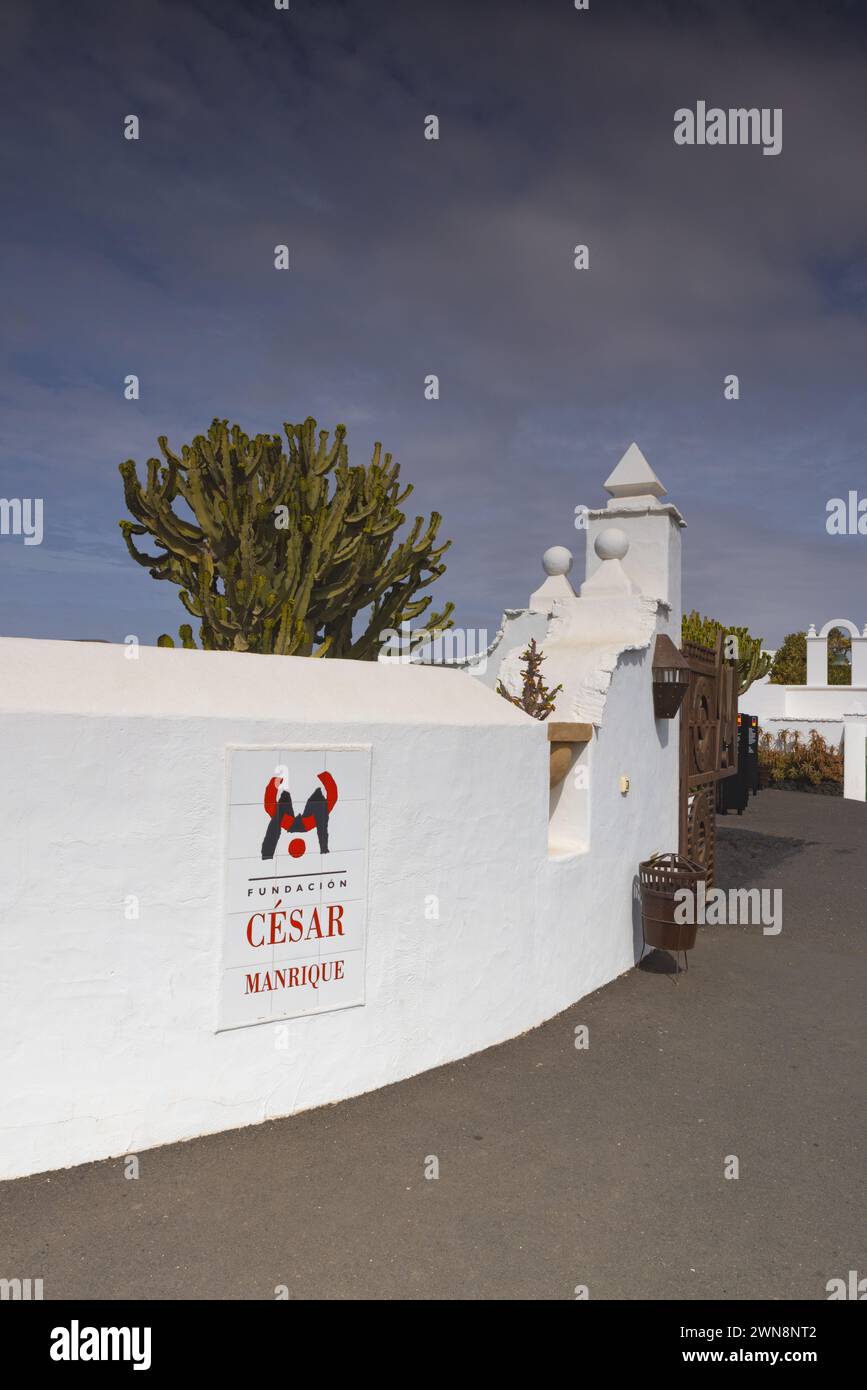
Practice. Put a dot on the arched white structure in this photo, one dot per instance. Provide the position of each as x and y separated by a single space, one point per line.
817 652
832 623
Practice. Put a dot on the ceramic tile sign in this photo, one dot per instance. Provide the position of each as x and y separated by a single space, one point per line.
296 882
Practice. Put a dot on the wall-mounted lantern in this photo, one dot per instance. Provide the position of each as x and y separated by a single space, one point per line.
670 678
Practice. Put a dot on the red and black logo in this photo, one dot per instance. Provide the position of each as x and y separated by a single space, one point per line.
318 807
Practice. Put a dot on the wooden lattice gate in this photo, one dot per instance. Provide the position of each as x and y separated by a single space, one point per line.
708 747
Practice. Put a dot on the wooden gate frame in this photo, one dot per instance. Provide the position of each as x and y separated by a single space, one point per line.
708 747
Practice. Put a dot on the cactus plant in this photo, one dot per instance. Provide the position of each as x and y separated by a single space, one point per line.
753 662
286 542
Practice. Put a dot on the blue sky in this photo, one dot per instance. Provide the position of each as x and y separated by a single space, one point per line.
453 257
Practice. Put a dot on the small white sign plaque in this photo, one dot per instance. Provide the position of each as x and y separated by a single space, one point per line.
296 882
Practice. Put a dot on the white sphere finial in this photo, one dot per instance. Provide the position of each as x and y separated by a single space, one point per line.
611 544
557 560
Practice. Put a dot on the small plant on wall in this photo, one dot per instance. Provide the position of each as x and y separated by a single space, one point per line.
535 697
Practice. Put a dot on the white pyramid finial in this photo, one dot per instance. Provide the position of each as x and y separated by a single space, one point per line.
634 477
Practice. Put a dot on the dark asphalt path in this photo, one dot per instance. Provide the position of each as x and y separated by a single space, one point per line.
558 1167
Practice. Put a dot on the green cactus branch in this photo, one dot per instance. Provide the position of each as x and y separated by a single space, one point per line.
281 543
753 662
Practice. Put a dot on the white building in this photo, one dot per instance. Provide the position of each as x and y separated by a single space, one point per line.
837 712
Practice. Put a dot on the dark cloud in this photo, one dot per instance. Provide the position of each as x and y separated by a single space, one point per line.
410 257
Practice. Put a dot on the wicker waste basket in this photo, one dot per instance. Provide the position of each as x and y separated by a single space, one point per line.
661 877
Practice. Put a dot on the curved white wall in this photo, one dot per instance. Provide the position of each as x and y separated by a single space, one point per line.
113 785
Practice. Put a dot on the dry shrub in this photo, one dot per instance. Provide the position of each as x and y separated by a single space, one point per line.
789 761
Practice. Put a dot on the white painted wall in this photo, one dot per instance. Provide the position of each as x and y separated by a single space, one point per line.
763 699
113 784
855 759
591 899
831 730
824 702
